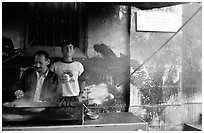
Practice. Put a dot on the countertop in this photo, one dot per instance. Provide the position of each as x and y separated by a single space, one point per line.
114 118
122 121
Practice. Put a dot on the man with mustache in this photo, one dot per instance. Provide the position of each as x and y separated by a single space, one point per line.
39 84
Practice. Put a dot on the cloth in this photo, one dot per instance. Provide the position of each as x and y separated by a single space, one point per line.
72 71
50 87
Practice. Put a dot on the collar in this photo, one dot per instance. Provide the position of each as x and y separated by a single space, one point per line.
45 74
68 61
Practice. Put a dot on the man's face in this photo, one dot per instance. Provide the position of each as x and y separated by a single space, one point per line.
41 63
68 50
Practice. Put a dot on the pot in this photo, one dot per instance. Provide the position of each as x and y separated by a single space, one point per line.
93 115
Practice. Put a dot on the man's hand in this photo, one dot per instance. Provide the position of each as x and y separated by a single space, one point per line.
19 94
9 104
65 78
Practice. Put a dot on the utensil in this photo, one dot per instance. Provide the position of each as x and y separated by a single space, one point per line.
93 115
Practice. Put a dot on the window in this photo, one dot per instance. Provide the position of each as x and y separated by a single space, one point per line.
51 23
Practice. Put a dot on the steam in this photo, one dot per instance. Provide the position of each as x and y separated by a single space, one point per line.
97 94
27 103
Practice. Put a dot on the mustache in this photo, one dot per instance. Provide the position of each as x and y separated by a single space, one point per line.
38 67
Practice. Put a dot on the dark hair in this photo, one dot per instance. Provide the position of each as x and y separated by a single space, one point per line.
42 52
67 43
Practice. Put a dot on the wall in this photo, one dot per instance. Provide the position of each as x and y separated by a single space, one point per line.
166 91
12 23
108 25
108 52
192 54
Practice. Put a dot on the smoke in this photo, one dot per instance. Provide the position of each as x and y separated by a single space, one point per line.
97 94
23 102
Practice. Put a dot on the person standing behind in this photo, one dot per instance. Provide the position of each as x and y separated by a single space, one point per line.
69 72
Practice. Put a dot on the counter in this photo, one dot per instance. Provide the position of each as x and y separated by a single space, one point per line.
123 121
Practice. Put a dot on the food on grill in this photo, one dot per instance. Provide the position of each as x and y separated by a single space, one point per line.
35 109
15 117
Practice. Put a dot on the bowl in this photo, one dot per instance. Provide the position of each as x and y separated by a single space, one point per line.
93 115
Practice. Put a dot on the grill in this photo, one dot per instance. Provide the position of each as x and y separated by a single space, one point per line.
43 116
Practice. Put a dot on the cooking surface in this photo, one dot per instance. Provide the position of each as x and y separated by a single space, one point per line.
35 116
43 115
122 121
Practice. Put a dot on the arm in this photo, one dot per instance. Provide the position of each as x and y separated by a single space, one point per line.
82 87
82 81
20 86
82 84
